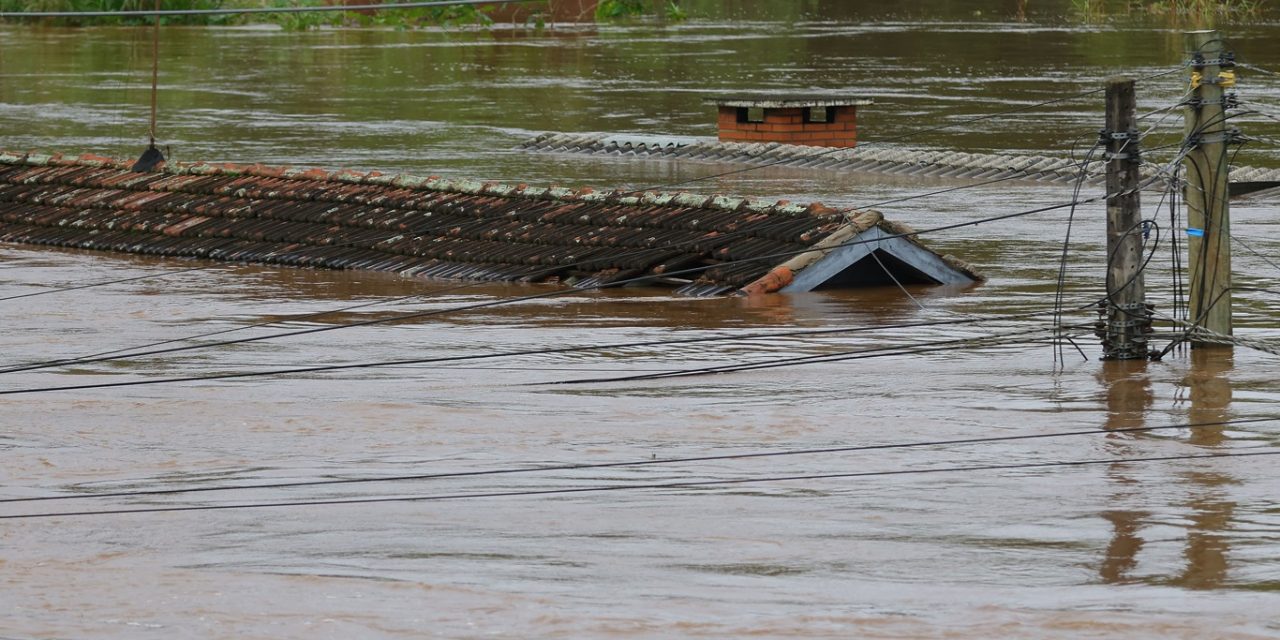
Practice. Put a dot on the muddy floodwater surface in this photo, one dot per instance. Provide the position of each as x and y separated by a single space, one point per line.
1173 548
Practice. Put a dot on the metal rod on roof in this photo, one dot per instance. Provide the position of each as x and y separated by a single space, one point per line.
155 71
151 158
247 10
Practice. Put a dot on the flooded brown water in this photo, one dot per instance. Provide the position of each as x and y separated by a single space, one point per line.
1154 549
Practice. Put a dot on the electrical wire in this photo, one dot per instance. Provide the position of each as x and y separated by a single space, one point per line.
1211 226
98 357
95 356
689 484
472 357
1256 68
985 183
877 352
101 357
563 292
494 303
909 134
1058 356
903 136
640 463
150 276
1255 252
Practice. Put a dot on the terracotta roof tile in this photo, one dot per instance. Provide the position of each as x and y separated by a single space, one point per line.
425 226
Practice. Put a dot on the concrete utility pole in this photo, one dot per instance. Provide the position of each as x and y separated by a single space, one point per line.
1208 216
1128 319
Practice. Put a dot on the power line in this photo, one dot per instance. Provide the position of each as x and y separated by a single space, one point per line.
975 185
111 282
549 294
442 359
633 487
102 356
1258 112
1059 292
877 352
110 355
248 11
641 463
1258 69
1255 252
493 303
562 292
666 186
99 357
910 134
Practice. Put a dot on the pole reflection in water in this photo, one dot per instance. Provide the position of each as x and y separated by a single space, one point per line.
1208 545
1129 396
1209 388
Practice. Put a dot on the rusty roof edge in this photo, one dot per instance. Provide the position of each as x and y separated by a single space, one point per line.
963 267
436 183
782 275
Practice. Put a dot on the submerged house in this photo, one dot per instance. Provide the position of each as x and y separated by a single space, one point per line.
451 229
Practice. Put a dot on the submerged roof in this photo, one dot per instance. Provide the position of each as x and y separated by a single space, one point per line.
877 159
438 228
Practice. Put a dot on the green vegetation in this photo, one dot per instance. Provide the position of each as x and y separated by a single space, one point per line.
619 9
121 5
669 10
1178 13
400 18
1181 12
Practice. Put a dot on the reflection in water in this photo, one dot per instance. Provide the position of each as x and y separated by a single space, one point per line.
1207 541
1122 552
1207 547
1129 395
1129 398
1207 384
455 103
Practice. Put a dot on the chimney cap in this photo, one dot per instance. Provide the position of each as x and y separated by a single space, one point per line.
787 101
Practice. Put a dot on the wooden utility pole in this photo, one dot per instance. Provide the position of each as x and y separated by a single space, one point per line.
1208 216
1128 319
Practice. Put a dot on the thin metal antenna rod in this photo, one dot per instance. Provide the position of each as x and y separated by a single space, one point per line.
151 158
155 71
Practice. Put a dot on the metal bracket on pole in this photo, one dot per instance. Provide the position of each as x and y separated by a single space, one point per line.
1125 317
1208 214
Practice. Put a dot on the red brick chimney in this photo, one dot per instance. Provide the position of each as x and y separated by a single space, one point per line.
814 121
